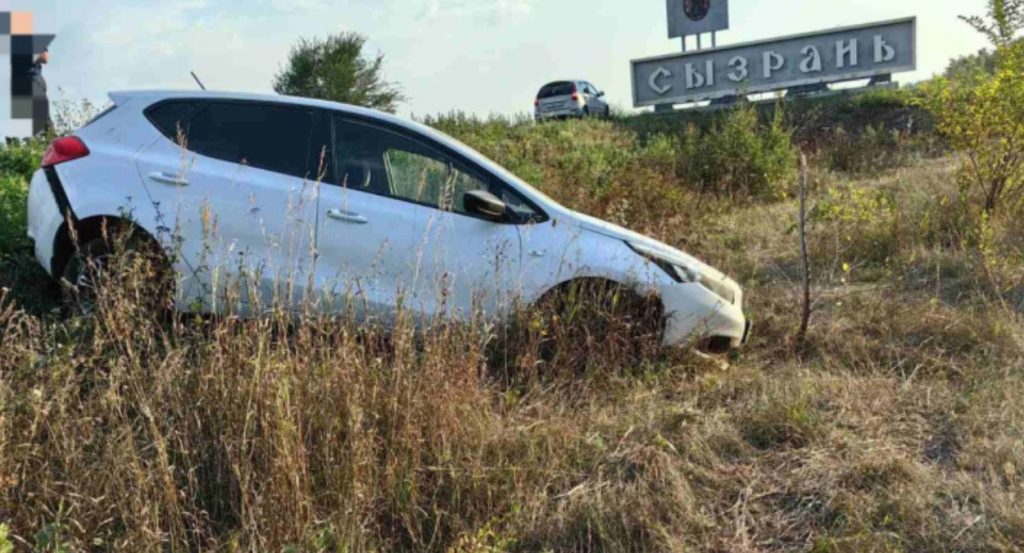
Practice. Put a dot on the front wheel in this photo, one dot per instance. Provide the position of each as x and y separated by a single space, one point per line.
590 323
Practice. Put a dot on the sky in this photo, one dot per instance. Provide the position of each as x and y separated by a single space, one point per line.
478 56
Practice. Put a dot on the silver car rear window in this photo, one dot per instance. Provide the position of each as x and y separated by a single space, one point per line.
556 89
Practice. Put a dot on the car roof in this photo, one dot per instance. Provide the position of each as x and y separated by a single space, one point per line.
153 96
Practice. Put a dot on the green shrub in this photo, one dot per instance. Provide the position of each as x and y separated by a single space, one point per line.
882 98
866 131
984 121
872 150
982 115
601 167
21 159
5 543
17 163
972 65
857 226
13 198
738 157
597 167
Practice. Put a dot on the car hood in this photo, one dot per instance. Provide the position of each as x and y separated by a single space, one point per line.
678 257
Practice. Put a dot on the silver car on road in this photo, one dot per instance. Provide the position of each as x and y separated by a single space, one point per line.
575 98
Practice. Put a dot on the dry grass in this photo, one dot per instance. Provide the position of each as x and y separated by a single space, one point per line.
900 429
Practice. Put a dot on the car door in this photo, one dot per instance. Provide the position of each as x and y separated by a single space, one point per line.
602 100
398 233
234 183
588 98
365 236
594 104
468 265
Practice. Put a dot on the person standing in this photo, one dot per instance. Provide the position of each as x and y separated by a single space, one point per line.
29 90
41 122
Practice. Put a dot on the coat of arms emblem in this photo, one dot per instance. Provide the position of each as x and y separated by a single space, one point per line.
696 10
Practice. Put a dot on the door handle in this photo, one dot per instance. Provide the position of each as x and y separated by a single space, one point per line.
538 253
347 217
164 178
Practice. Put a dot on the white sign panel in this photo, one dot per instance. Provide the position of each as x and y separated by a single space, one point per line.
824 57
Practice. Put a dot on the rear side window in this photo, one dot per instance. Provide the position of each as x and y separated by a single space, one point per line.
276 138
172 117
556 89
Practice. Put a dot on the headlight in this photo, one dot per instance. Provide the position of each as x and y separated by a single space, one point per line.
676 271
719 288
681 273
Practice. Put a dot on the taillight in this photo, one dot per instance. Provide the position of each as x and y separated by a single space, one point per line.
576 97
63 150
536 103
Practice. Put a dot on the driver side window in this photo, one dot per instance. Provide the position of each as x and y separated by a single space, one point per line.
428 178
375 160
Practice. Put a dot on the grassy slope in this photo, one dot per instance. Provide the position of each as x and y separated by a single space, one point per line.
901 428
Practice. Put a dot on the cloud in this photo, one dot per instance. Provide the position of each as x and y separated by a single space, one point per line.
492 11
156 45
143 26
298 6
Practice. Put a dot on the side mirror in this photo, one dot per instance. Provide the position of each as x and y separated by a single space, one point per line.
600 94
485 204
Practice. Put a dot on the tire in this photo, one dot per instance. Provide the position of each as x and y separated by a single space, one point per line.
88 270
593 322
83 274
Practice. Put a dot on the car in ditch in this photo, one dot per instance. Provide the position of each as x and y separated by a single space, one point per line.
259 200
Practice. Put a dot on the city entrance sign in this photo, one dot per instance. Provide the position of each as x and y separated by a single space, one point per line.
824 57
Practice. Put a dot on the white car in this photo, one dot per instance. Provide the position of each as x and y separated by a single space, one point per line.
575 98
356 210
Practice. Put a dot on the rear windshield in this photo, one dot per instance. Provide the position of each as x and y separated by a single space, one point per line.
273 137
556 89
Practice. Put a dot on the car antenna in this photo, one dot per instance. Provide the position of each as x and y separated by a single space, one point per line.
200 83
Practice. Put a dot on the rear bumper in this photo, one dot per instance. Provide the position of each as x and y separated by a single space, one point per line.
558 114
45 216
